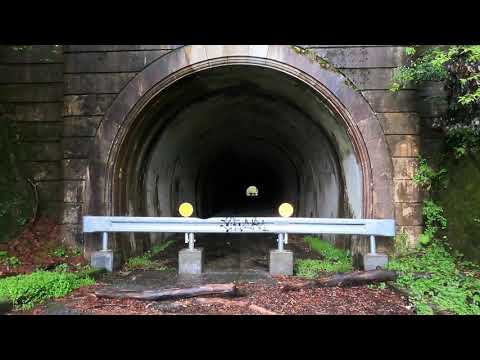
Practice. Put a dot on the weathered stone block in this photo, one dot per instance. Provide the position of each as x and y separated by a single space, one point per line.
31 73
51 209
25 54
74 169
404 168
400 123
42 151
386 101
32 112
44 170
87 105
28 93
91 48
96 83
412 232
106 259
407 191
281 262
71 214
50 190
363 56
370 79
71 234
190 261
81 125
73 191
76 147
408 214
40 131
403 145
374 261
125 61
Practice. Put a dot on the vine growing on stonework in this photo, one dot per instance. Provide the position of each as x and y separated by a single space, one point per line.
454 284
458 68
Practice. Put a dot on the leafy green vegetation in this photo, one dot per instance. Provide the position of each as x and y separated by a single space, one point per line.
458 68
333 259
453 286
59 252
27 291
65 252
143 262
9 261
146 261
432 213
158 248
426 177
61 267
401 246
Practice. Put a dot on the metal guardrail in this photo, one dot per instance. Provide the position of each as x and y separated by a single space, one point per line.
276 225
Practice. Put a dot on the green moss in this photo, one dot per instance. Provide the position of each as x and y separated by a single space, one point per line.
461 203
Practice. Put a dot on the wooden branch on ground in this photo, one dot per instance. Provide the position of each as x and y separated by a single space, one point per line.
172 293
255 308
349 279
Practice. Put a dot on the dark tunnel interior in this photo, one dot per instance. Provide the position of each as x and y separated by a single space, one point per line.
209 136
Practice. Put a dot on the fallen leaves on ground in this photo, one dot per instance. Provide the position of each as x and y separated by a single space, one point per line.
34 246
257 299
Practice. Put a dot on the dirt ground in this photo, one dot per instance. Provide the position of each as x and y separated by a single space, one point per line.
258 293
256 298
34 247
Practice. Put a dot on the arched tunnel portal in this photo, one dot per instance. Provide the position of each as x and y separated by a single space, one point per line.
210 135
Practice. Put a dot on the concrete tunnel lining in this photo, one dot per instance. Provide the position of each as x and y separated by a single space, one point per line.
262 126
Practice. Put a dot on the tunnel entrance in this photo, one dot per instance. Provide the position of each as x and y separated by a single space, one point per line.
210 135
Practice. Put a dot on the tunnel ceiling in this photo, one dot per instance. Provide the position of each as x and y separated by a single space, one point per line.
210 135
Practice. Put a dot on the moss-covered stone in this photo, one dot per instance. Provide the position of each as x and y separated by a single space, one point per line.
461 203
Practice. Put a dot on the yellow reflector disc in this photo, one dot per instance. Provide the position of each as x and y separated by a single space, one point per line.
285 210
185 209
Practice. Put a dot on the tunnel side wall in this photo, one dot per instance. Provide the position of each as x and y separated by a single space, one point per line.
85 79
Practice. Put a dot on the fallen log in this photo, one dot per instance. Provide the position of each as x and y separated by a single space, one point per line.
172 293
349 279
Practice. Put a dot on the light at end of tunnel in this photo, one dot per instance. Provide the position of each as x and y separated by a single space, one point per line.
252 191
285 210
185 209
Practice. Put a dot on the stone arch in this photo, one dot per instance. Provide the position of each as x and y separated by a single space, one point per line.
359 120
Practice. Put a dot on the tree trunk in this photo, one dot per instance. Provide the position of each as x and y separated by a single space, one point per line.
209 289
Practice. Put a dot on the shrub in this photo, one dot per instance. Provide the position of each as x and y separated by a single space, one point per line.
453 285
26 291
10 261
333 259
158 248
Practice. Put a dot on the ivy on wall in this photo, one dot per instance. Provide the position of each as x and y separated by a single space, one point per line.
458 68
